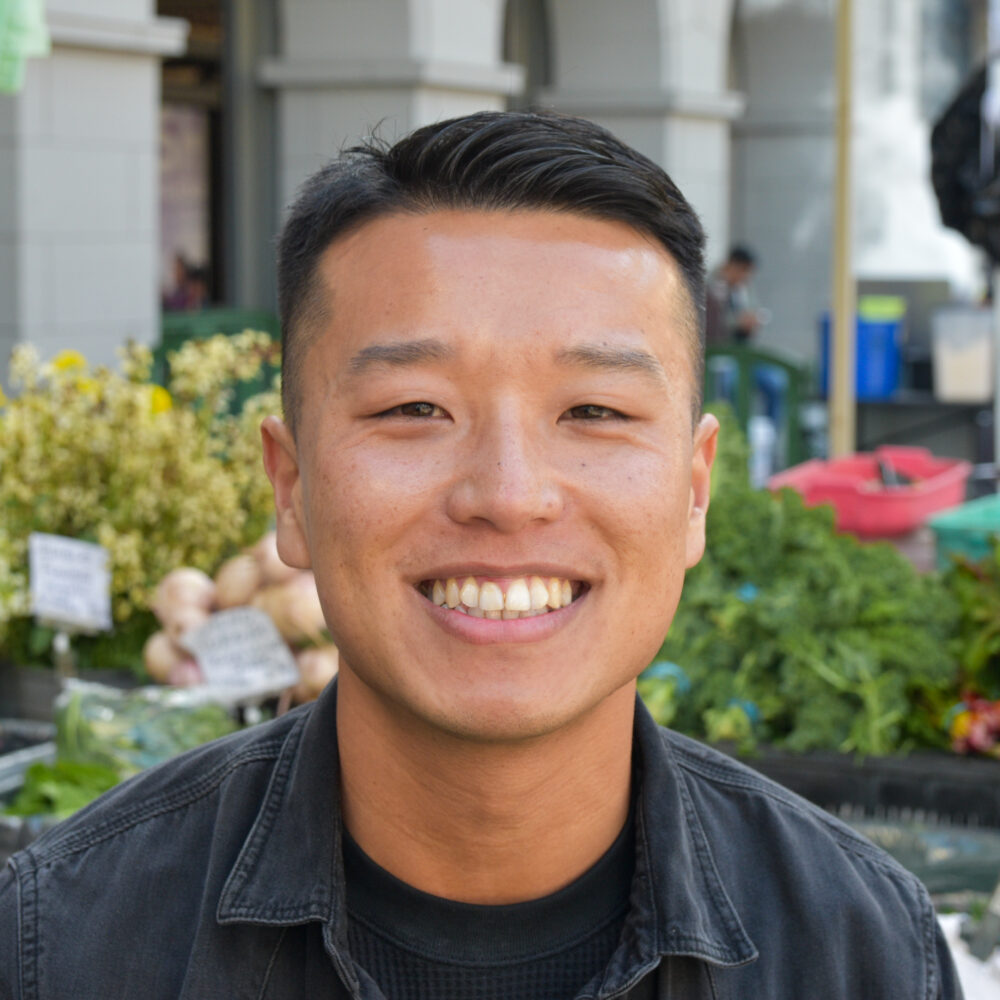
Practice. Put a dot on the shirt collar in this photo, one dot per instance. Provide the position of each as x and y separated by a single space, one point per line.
289 870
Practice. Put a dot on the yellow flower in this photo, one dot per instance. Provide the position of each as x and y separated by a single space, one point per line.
67 361
88 387
159 399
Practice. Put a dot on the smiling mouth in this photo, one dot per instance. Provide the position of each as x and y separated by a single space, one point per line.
520 597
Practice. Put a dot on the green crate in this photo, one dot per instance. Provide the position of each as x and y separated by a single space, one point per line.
967 530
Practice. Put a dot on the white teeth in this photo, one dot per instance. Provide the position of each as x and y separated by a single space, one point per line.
470 593
518 597
539 593
490 597
524 598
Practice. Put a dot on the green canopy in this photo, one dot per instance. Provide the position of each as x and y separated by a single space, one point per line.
22 34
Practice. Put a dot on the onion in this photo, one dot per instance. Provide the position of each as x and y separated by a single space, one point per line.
317 667
237 581
294 608
183 587
160 655
185 673
182 619
272 569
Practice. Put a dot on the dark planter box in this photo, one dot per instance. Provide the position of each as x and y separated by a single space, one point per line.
29 692
923 787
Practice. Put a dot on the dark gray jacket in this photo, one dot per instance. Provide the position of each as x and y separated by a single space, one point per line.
218 875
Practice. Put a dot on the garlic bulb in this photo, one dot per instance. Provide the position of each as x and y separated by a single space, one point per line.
237 581
183 587
272 569
317 667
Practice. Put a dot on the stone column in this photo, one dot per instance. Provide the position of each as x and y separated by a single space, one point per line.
346 67
79 169
656 74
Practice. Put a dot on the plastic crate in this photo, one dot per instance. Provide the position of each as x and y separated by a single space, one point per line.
963 354
864 505
967 530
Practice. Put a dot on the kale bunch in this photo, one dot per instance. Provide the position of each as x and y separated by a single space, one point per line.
792 634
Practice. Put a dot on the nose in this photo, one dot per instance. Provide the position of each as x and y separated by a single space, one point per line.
508 477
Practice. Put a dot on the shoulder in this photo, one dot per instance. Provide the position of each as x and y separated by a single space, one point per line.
793 870
723 788
150 853
192 782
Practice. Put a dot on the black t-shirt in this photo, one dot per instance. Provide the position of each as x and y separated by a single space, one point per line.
422 947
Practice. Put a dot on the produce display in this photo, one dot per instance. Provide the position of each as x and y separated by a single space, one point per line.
792 634
128 731
104 735
186 597
975 722
161 476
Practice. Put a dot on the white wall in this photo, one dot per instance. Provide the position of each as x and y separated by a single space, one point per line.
655 73
79 182
346 67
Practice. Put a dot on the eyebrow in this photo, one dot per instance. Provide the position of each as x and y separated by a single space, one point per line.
616 359
399 354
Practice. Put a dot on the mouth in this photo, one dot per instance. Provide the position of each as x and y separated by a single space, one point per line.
506 599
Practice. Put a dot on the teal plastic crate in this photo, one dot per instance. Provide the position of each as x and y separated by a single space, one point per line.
968 530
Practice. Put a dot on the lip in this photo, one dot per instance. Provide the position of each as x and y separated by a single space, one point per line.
492 571
486 631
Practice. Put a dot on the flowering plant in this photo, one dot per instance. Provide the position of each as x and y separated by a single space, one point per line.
161 476
975 726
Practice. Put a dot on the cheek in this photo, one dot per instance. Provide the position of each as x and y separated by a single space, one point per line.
360 502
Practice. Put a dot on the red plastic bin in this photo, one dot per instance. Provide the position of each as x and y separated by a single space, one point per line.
864 504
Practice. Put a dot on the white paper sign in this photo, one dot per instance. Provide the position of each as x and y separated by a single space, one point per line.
70 582
240 649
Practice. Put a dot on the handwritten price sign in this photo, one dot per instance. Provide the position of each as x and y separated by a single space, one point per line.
70 583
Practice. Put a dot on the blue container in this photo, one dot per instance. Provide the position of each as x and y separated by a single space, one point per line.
877 362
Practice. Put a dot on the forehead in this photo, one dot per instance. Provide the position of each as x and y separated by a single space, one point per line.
458 273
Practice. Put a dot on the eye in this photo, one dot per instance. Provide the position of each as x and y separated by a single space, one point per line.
419 409
591 411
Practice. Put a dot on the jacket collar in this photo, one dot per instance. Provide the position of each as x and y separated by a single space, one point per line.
289 870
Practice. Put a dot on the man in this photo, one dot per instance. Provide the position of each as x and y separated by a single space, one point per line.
494 461
731 314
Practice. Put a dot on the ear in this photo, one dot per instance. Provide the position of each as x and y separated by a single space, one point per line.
706 436
282 464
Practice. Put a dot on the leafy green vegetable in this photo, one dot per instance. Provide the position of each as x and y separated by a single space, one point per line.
976 585
799 636
128 731
59 789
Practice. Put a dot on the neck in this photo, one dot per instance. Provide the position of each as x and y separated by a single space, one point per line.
479 822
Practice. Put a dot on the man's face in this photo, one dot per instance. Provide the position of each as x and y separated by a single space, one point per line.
500 404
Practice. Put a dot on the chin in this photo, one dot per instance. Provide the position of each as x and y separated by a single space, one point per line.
511 716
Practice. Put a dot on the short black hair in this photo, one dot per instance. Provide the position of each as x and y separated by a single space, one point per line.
742 254
494 161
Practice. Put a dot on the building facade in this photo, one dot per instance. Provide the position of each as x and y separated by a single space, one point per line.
735 98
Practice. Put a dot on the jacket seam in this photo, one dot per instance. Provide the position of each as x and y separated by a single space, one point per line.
271 964
725 912
74 842
929 921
